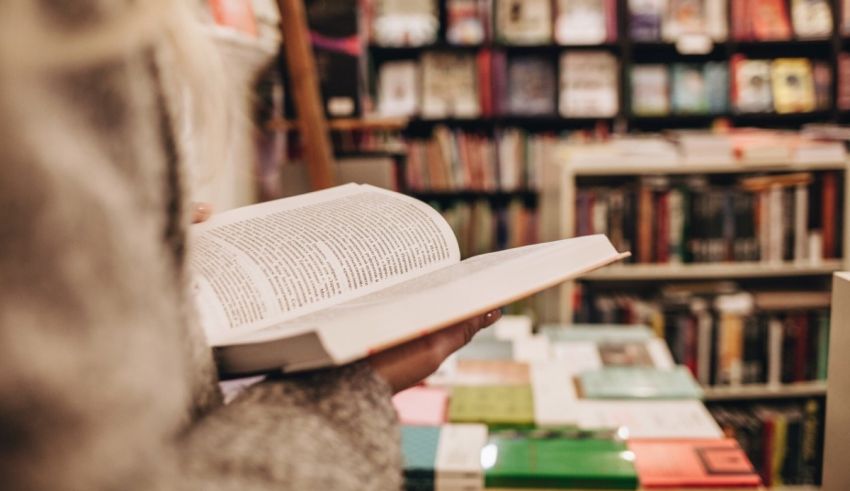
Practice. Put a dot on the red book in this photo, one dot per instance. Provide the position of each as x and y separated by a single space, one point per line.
611 20
692 463
767 450
770 20
238 14
829 210
485 82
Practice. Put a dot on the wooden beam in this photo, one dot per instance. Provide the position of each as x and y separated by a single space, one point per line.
305 92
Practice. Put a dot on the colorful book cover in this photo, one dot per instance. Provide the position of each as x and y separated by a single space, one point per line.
465 22
582 22
812 19
645 19
422 406
793 85
531 86
449 85
589 84
495 406
689 94
520 461
684 17
405 22
692 463
753 86
639 383
770 20
650 95
524 22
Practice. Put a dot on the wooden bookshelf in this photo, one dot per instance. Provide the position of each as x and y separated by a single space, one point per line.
345 124
761 391
706 168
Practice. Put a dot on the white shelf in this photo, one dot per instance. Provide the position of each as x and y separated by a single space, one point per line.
683 168
637 272
760 391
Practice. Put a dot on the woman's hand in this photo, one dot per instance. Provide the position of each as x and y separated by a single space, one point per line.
201 212
408 364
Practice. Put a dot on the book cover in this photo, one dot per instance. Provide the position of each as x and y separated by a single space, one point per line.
812 19
491 372
534 462
524 22
398 88
465 23
793 85
449 85
650 94
531 86
770 20
443 457
689 91
405 22
495 406
582 22
645 19
693 463
589 84
639 383
752 86
716 77
684 17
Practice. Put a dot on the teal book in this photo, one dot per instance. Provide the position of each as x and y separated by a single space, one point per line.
597 333
443 457
689 89
497 406
716 76
639 383
529 462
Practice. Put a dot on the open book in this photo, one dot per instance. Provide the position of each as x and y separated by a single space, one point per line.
333 276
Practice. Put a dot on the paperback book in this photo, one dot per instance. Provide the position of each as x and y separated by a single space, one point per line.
589 85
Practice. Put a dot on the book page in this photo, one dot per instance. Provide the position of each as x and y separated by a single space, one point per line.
353 329
264 264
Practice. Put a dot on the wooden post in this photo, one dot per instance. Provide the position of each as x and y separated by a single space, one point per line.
312 125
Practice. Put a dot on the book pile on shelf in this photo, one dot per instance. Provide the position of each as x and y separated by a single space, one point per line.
770 20
492 83
773 219
589 407
725 335
457 160
393 23
486 225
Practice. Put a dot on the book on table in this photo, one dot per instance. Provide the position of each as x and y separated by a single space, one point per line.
333 276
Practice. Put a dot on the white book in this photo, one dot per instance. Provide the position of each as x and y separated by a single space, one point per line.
589 84
333 276
398 88
650 419
581 22
774 351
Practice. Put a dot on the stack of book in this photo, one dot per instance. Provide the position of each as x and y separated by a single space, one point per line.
727 336
578 407
670 220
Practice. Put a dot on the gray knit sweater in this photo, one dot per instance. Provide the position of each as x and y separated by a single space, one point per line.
105 380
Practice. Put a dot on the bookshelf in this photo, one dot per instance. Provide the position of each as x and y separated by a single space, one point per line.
762 391
663 272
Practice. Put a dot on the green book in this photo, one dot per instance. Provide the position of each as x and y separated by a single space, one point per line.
487 348
496 405
524 462
639 383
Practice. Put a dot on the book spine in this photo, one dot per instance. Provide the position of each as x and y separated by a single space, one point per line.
774 354
801 224
829 195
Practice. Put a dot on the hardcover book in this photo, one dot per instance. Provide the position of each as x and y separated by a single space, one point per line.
333 276
524 22
650 90
494 405
639 383
449 85
752 85
583 21
443 457
531 86
793 85
589 84
693 463
519 461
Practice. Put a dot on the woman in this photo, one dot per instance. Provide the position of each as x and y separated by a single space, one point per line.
105 380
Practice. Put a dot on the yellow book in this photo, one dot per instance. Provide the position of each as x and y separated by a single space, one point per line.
793 85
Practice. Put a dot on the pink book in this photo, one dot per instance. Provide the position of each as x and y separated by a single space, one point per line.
692 463
422 406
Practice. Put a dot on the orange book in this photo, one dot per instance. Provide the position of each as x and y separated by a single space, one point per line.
770 20
238 14
692 463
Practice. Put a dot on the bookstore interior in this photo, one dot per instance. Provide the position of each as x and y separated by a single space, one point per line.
708 138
